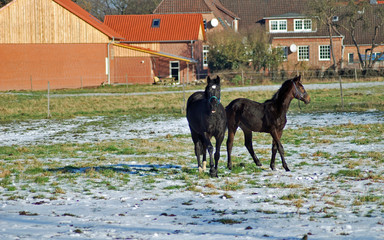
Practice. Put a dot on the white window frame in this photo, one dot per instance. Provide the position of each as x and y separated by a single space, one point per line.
300 53
171 68
351 60
322 48
373 55
205 55
304 27
279 24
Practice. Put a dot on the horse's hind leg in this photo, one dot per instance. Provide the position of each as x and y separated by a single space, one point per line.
248 145
231 136
273 157
232 128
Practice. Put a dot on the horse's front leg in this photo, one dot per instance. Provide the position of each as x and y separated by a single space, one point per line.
209 147
204 158
219 141
276 138
249 146
198 148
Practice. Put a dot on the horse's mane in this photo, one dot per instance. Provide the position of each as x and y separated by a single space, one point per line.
285 87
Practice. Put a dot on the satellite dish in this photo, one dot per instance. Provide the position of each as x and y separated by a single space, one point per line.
214 22
293 48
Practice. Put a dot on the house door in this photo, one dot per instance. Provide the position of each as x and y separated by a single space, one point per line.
174 69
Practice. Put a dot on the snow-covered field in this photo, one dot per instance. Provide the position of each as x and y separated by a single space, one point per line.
335 189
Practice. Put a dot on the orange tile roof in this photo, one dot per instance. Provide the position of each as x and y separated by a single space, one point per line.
87 17
173 27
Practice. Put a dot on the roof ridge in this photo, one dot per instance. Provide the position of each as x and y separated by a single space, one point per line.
88 17
221 7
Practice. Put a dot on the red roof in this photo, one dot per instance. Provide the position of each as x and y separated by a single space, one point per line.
87 17
172 27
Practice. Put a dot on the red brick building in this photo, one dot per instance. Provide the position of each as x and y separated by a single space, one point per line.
167 46
288 25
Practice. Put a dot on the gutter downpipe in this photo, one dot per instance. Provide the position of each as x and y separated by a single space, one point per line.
342 52
192 42
109 60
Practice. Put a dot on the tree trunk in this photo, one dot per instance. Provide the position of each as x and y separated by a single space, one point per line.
331 48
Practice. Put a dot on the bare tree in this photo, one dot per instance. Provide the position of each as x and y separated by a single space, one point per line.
324 12
100 8
4 2
370 20
379 13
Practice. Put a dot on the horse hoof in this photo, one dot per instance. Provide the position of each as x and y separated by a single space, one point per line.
204 165
259 164
213 173
200 170
229 166
287 169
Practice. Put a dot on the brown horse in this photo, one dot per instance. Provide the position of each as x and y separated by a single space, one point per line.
269 117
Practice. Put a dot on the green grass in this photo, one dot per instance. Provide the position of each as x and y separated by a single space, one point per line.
33 105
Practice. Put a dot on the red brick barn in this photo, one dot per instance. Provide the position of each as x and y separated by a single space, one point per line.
55 41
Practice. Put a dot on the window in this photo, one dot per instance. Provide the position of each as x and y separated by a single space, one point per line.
174 70
303 53
278 25
324 52
350 58
285 52
156 23
205 55
205 24
303 25
374 55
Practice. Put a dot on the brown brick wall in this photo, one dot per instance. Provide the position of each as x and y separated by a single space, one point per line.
63 65
314 62
131 70
356 64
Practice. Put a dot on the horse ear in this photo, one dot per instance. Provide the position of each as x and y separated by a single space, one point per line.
217 80
298 78
208 80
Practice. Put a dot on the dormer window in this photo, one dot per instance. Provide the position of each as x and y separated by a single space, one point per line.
156 23
303 25
278 25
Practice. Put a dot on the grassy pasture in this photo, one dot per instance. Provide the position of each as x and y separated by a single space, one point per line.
324 185
34 105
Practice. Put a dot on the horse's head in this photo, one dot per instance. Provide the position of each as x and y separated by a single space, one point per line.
298 90
212 93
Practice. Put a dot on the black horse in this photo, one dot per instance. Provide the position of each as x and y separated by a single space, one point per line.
206 118
269 117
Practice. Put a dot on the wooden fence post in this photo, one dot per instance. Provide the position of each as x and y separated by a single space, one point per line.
341 94
49 110
183 107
